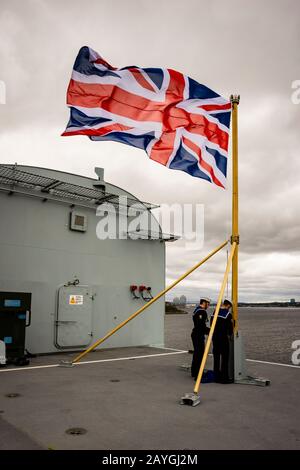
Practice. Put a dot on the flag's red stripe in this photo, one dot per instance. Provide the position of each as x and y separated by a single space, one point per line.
174 94
141 79
100 60
115 100
176 87
129 111
101 131
215 107
93 95
175 117
204 164
202 126
163 148
97 91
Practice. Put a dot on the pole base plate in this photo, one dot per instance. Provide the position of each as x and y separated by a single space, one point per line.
65 364
190 399
248 380
186 367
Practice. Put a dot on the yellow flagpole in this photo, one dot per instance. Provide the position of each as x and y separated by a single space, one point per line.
235 99
147 305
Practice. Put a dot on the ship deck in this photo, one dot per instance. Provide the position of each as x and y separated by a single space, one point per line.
129 399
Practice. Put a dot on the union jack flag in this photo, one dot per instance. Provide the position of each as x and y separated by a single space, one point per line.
179 122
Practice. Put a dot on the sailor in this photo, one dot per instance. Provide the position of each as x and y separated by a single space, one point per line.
221 337
198 334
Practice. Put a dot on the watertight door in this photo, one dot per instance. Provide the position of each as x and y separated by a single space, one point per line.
74 316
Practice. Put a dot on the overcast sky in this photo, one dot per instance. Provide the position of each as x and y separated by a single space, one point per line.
246 47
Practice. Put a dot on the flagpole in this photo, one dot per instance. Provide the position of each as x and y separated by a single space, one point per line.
235 99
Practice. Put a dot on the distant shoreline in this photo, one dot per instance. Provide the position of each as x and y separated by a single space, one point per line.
273 304
245 304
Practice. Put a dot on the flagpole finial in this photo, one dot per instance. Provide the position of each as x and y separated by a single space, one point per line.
235 99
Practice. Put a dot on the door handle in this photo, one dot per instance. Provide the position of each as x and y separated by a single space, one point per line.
64 322
29 318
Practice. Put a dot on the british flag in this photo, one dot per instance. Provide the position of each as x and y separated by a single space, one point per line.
179 122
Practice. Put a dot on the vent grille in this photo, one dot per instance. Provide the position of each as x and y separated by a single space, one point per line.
12 178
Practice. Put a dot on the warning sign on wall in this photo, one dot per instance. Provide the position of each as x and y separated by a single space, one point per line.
75 299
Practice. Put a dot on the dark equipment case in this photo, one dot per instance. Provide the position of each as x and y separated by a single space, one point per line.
15 317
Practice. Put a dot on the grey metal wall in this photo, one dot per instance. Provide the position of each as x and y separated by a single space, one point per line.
38 253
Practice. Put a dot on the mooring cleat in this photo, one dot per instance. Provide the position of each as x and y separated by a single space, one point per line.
190 399
65 364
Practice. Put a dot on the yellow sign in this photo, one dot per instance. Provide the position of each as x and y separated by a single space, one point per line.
75 299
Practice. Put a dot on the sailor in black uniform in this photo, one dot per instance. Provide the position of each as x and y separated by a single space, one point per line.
221 337
199 331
